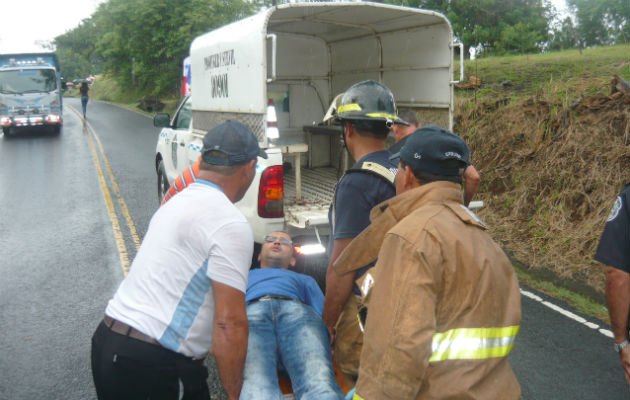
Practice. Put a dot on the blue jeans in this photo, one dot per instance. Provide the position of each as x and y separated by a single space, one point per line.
288 334
84 101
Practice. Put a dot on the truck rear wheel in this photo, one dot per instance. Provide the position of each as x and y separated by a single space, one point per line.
6 130
162 181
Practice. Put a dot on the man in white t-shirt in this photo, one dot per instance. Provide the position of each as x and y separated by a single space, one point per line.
185 293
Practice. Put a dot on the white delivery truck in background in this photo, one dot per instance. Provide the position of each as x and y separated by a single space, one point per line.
277 72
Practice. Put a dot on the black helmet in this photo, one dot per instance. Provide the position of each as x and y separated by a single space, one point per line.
369 101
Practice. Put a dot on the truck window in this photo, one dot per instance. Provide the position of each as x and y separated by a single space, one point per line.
182 121
28 81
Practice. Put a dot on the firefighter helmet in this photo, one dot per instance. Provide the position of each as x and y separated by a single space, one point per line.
368 101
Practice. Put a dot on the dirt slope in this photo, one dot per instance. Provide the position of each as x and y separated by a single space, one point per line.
550 173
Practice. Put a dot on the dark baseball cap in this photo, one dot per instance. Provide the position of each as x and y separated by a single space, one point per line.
435 150
233 139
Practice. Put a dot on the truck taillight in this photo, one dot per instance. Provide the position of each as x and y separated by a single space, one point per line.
271 193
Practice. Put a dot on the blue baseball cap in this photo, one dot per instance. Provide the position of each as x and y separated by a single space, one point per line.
435 150
233 139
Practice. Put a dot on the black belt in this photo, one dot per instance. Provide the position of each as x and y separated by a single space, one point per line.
271 296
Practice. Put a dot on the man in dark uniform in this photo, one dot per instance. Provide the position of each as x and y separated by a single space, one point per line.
367 112
614 252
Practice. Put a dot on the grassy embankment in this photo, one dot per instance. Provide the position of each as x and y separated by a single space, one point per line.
552 149
551 144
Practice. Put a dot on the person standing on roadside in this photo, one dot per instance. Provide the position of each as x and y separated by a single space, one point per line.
83 90
367 112
443 301
614 252
401 133
185 293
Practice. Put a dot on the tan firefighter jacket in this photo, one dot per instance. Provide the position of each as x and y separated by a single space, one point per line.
444 309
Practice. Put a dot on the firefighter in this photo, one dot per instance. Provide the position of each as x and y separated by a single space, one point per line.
444 305
367 112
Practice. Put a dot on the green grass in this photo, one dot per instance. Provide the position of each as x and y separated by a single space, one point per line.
579 302
561 74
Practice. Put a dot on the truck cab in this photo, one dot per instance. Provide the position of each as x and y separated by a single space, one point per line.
30 92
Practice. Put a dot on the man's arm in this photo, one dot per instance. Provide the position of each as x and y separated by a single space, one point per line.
229 337
618 301
338 287
471 183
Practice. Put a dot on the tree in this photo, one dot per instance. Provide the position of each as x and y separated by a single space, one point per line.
563 37
601 22
143 42
494 26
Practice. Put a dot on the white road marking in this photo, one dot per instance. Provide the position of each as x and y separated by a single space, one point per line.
566 313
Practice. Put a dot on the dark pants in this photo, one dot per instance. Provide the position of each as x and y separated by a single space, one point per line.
84 101
127 368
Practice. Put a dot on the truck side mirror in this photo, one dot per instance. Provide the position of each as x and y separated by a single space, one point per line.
162 120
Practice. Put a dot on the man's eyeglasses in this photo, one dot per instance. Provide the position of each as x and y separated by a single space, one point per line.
280 239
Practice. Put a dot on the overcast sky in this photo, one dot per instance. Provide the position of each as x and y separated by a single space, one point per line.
24 22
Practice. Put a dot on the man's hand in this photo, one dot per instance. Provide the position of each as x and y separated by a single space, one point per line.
625 362
229 337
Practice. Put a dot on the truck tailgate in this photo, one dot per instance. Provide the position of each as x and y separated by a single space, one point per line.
318 188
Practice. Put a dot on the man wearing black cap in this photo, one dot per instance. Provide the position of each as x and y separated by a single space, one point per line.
402 133
443 299
185 293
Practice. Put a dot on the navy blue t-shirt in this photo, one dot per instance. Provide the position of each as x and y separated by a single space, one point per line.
357 193
614 245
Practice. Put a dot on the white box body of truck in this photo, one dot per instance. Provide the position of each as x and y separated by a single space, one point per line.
291 61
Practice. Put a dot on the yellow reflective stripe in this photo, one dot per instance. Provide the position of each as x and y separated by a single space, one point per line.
473 343
348 107
356 397
382 115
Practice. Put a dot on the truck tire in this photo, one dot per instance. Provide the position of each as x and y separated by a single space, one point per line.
162 181
6 130
56 129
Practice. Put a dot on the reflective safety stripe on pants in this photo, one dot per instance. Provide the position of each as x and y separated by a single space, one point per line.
473 343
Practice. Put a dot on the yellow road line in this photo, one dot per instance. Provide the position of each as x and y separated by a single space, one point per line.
120 242
121 201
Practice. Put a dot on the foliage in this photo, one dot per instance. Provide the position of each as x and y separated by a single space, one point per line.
143 42
601 22
494 26
563 37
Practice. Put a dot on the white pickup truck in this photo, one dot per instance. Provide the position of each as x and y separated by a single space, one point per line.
277 72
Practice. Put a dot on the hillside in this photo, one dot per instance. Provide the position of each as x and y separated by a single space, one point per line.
551 144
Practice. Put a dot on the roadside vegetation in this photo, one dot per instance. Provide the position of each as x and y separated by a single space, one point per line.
550 138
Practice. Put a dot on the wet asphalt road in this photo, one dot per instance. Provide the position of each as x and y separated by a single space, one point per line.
64 242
